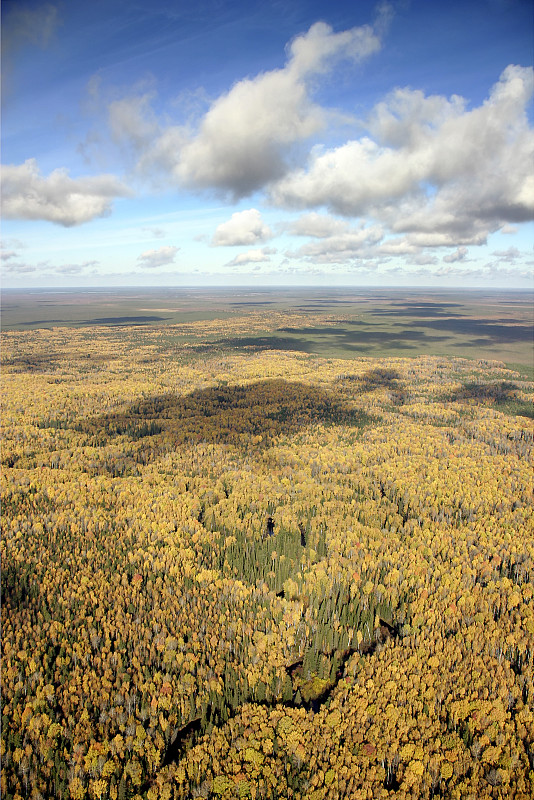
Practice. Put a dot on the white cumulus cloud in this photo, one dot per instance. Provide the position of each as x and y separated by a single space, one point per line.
251 257
317 225
459 255
243 227
477 163
158 258
26 194
341 247
510 255
246 138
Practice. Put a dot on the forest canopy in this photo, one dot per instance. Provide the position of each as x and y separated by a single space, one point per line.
263 573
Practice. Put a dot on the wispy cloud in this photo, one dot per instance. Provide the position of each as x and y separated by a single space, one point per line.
20 268
45 267
157 233
23 22
75 269
492 272
7 255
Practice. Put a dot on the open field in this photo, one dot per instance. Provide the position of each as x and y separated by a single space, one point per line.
340 323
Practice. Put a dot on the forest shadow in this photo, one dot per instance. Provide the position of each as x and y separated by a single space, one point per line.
502 396
259 343
378 378
49 362
244 416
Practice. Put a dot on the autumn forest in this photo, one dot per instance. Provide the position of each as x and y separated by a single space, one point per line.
268 550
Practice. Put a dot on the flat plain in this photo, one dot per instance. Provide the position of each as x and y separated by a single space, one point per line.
340 323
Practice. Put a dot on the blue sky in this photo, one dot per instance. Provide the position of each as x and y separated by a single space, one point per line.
267 143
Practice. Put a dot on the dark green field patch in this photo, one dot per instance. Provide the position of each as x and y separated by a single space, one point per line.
498 331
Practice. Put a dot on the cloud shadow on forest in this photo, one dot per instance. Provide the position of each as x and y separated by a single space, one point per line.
380 377
502 395
244 416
